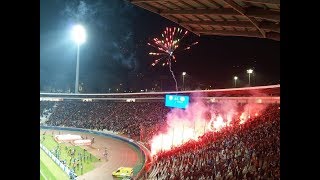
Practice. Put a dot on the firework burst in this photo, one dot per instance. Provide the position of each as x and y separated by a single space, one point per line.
167 46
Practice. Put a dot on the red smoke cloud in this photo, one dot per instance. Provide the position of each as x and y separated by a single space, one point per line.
200 118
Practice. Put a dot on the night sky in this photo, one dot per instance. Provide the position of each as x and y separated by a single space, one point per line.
116 51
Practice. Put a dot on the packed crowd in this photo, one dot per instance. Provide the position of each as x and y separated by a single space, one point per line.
131 119
46 108
250 151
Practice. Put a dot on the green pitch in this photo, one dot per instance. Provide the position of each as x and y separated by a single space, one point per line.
80 156
49 170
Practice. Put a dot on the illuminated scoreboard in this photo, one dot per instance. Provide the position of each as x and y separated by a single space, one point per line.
176 101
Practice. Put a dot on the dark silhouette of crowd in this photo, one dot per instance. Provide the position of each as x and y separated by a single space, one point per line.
127 118
250 151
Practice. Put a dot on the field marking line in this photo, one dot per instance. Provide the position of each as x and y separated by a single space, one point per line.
43 175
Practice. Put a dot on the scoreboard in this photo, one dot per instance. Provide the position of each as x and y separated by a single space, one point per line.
177 101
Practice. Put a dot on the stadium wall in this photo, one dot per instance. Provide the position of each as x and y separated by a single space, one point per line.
145 155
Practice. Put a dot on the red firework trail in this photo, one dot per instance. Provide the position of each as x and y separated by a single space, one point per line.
167 46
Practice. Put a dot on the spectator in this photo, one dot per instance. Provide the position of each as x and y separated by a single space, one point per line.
249 151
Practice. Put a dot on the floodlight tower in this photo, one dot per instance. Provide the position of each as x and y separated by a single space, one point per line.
183 74
235 81
249 71
79 36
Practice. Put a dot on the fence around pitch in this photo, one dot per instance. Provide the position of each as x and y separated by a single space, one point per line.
145 155
57 161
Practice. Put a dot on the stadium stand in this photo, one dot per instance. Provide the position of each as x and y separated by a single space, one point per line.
249 151
121 117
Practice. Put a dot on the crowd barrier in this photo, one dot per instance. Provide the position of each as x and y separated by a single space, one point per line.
58 162
144 153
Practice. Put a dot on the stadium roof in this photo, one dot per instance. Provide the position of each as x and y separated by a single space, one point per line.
249 18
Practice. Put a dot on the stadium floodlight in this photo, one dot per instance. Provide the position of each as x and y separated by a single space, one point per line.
235 81
183 74
79 36
249 71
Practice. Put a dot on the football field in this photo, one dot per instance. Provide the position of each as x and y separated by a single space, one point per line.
49 170
87 163
95 166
